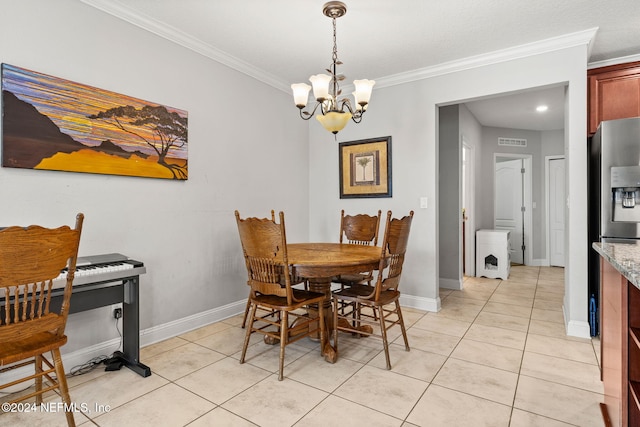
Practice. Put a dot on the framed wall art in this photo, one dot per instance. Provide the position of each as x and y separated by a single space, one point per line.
55 124
365 168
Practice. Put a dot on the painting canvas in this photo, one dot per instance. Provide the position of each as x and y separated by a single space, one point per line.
365 168
55 124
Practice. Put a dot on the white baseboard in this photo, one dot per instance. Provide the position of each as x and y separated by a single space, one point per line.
576 328
540 262
180 326
420 303
455 284
70 361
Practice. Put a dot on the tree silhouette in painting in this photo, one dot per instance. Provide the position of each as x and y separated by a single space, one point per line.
364 161
168 130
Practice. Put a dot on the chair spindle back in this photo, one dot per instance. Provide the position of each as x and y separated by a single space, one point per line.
264 244
394 246
30 259
359 229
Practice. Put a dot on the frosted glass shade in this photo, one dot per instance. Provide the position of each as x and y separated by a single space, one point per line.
334 121
320 84
363 91
300 94
358 106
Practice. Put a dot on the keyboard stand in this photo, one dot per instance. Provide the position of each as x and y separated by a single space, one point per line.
103 293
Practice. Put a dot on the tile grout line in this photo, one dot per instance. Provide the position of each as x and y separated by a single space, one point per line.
524 348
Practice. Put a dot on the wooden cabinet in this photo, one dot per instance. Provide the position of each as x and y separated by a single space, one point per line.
614 93
633 398
613 327
620 347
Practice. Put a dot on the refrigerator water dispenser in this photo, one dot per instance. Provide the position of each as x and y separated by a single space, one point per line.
625 188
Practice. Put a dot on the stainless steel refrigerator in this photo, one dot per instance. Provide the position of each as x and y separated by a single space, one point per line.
614 195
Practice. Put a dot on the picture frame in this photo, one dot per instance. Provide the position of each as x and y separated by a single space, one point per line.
49 123
365 168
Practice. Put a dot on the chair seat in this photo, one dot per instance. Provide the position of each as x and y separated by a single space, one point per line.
357 292
352 279
15 350
280 303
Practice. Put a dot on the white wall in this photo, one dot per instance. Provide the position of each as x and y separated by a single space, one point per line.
184 232
408 112
449 197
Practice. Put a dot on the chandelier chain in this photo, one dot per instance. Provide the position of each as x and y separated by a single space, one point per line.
335 43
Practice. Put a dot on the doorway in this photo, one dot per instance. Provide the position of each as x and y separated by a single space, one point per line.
555 193
512 203
466 125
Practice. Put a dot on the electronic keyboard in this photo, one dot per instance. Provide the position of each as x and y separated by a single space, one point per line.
101 269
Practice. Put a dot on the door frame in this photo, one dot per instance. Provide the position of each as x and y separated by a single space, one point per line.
527 196
547 181
470 193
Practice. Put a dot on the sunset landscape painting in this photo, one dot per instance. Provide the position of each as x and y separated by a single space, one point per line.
55 124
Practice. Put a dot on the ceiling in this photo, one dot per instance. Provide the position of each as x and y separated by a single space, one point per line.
285 41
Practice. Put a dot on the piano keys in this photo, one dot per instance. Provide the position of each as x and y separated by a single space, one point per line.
101 269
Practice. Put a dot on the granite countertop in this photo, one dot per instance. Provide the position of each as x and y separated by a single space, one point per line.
625 257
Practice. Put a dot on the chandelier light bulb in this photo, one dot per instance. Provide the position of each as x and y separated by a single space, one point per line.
359 107
300 94
363 91
320 84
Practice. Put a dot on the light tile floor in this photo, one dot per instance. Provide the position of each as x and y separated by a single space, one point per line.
495 355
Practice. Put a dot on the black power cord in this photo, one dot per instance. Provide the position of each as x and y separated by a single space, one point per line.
113 363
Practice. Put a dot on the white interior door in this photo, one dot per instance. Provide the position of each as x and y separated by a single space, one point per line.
556 212
509 203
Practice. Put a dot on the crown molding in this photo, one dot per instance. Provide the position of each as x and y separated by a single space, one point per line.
120 10
543 46
615 61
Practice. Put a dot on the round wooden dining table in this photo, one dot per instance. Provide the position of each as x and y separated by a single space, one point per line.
319 262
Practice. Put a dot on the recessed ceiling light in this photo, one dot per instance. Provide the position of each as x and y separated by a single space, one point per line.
541 108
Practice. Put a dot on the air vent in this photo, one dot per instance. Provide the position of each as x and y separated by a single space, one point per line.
512 142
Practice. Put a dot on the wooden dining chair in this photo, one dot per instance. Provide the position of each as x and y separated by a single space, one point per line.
383 297
270 276
358 229
248 306
296 280
31 323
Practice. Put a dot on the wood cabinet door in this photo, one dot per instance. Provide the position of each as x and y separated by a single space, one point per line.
614 93
613 342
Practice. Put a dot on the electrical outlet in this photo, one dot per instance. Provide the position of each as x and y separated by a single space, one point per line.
117 313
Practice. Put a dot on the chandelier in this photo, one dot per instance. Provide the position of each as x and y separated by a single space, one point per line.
334 112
